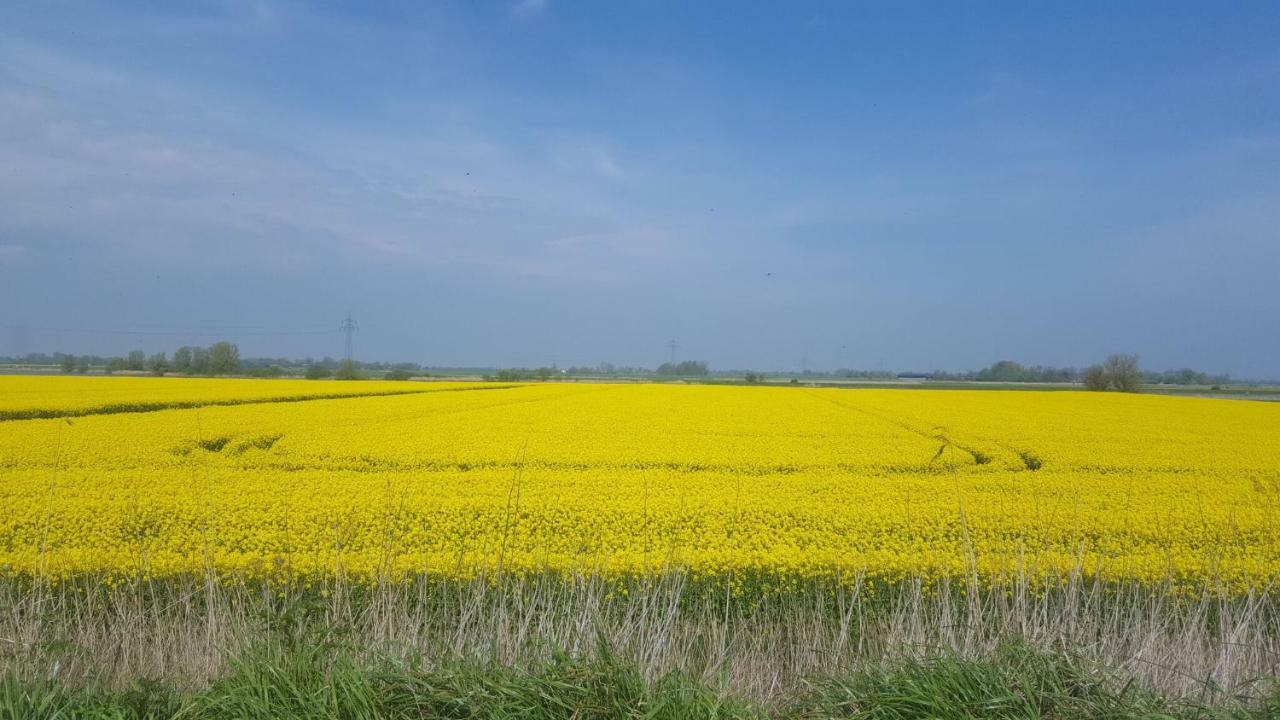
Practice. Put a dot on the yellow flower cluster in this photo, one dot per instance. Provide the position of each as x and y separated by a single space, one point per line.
764 485
23 397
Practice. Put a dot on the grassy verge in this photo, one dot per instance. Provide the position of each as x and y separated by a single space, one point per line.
320 680
583 647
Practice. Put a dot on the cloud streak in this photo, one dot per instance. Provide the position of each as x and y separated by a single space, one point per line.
525 9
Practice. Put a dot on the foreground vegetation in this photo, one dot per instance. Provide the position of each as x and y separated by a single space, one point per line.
320 681
506 647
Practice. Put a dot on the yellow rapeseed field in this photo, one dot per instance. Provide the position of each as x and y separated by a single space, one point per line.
768 487
33 397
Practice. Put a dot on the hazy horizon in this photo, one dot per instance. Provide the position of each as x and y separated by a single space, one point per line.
542 182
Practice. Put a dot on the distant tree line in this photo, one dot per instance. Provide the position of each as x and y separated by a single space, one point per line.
346 370
606 369
223 358
68 363
334 364
220 358
541 374
1185 376
864 374
1010 371
839 373
684 368
71 363
329 368
687 368
1123 367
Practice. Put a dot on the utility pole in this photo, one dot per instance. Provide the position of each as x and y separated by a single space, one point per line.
671 346
349 327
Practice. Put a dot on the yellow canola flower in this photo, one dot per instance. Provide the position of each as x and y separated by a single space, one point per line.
26 397
766 487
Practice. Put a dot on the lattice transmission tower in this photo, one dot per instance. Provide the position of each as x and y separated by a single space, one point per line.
349 327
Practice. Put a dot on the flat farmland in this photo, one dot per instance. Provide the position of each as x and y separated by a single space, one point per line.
753 489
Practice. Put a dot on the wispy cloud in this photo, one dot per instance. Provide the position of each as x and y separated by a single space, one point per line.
117 160
524 9
592 156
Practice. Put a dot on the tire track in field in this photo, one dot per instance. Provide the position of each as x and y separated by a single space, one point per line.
979 456
374 464
1030 460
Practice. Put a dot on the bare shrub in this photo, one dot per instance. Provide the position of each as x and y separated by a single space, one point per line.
1118 372
1123 373
1095 378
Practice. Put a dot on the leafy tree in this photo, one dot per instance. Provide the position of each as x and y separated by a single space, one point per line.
199 361
183 358
1003 371
157 363
137 360
524 374
82 364
1117 372
1095 378
67 363
1123 373
347 371
316 371
1010 371
115 364
1184 376
223 358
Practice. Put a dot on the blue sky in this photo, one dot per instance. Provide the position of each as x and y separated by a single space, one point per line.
899 185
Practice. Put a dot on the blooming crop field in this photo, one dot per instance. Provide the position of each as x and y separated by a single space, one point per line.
764 486
25 397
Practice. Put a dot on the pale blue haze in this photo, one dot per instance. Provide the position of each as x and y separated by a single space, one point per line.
907 185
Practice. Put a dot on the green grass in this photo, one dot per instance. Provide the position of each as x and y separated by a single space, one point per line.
314 681
1021 684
